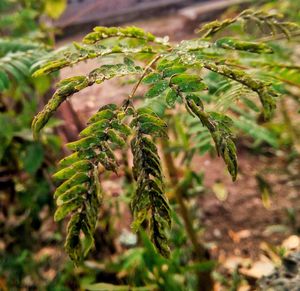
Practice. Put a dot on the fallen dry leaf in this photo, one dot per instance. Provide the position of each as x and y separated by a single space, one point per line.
220 190
258 269
292 243
238 236
271 252
233 262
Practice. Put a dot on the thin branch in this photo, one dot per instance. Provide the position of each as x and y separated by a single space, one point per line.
279 36
143 75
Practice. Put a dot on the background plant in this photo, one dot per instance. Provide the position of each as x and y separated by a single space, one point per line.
25 165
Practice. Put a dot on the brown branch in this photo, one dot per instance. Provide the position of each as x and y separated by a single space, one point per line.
205 280
143 76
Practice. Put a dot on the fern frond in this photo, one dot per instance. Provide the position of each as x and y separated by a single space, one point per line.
257 132
16 66
245 46
19 45
184 87
102 32
285 73
149 196
81 194
260 18
232 93
219 127
76 54
70 86
264 90
91 48
200 135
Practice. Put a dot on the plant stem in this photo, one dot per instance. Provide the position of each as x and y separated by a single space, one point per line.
277 37
143 75
289 125
205 279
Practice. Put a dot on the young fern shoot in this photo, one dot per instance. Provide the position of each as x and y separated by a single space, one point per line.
174 75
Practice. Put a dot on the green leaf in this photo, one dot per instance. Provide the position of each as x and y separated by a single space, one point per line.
96 128
174 70
219 127
71 194
68 161
67 173
258 132
98 188
157 89
21 67
171 98
196 99
88 238
164 63
42 84
7 132
128 61
76 179
66 208
149 199
51 67
145 110
33 157
73 244
103 114
86 142
65 89
188 83
4 80
14 72
115 137
253 47
249 103
122 128
102 32
144 118
266 94
2 86
152 129
152 78
55 8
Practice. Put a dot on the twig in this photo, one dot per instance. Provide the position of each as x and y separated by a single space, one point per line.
205 279
279 36
143 75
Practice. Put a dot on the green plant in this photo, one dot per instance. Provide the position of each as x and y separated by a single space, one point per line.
176 75
25 165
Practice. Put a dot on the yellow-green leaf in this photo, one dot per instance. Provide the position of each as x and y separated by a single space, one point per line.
55 8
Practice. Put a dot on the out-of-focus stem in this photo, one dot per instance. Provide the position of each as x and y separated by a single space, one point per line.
205 279
289 125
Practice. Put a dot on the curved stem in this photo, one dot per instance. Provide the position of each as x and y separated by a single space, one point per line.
143 75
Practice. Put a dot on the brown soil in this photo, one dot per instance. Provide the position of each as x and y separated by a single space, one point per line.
240 224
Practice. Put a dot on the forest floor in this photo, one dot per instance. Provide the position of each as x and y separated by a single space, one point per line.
248 227
240 229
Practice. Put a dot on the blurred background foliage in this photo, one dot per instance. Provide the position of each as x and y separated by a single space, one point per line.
31 252
25 165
